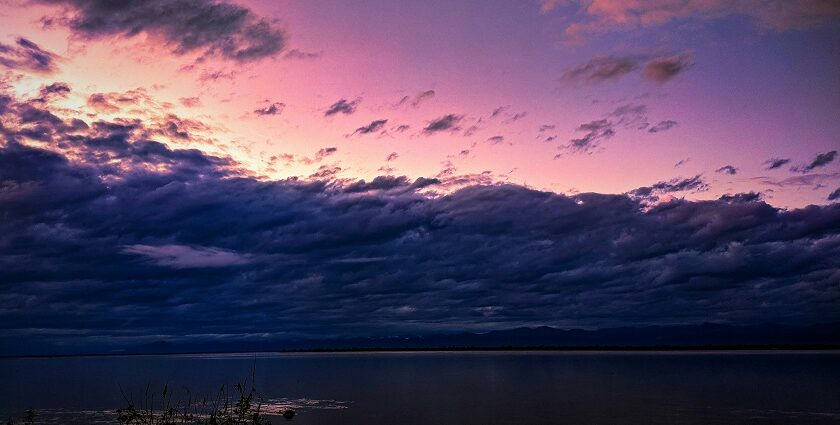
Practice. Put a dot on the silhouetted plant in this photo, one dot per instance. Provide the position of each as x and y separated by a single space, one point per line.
245 408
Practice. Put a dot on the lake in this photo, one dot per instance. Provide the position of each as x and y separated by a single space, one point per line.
539 387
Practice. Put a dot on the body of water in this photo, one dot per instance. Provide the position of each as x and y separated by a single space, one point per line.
453 387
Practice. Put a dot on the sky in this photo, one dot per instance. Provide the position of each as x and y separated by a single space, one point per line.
200 170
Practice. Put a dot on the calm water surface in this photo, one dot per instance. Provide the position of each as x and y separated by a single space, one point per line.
456 388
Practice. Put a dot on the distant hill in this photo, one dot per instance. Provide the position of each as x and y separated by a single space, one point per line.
687 337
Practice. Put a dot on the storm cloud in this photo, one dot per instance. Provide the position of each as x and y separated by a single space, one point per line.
137 239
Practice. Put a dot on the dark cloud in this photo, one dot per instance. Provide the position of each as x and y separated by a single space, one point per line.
682 162
342 107
25 55
210 27
373 127
834 196
742 197
602 69
596 132
727 169
444 123
653 192
55 89
392 156
663 126
140 240
276 108
821 160
663 69
774 163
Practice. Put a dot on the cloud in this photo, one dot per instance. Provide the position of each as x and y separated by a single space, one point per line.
319 156
417 99
276 108
658 69
774 163
821 160
815 180
661 70
342 106
25 55
596 132
113 102
373 127
654 191
186 257
594 17
392 156
495 140
190 102
444 123
834 196
143 241
301 55
727 169
55 89
663 126
742 197
601 69
212 28
682 162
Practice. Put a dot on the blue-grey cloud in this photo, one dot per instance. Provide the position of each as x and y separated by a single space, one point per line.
775 163
373 127
727 169
211 27
139 239
342 106
275 108
444 123
821 160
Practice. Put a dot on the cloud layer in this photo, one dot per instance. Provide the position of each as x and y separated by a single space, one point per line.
139 239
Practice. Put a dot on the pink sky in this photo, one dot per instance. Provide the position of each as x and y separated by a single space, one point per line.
754 86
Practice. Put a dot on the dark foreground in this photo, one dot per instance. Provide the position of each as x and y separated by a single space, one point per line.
542 387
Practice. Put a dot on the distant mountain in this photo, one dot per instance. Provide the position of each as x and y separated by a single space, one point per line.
689 336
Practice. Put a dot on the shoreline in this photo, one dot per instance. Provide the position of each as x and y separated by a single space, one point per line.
523 349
